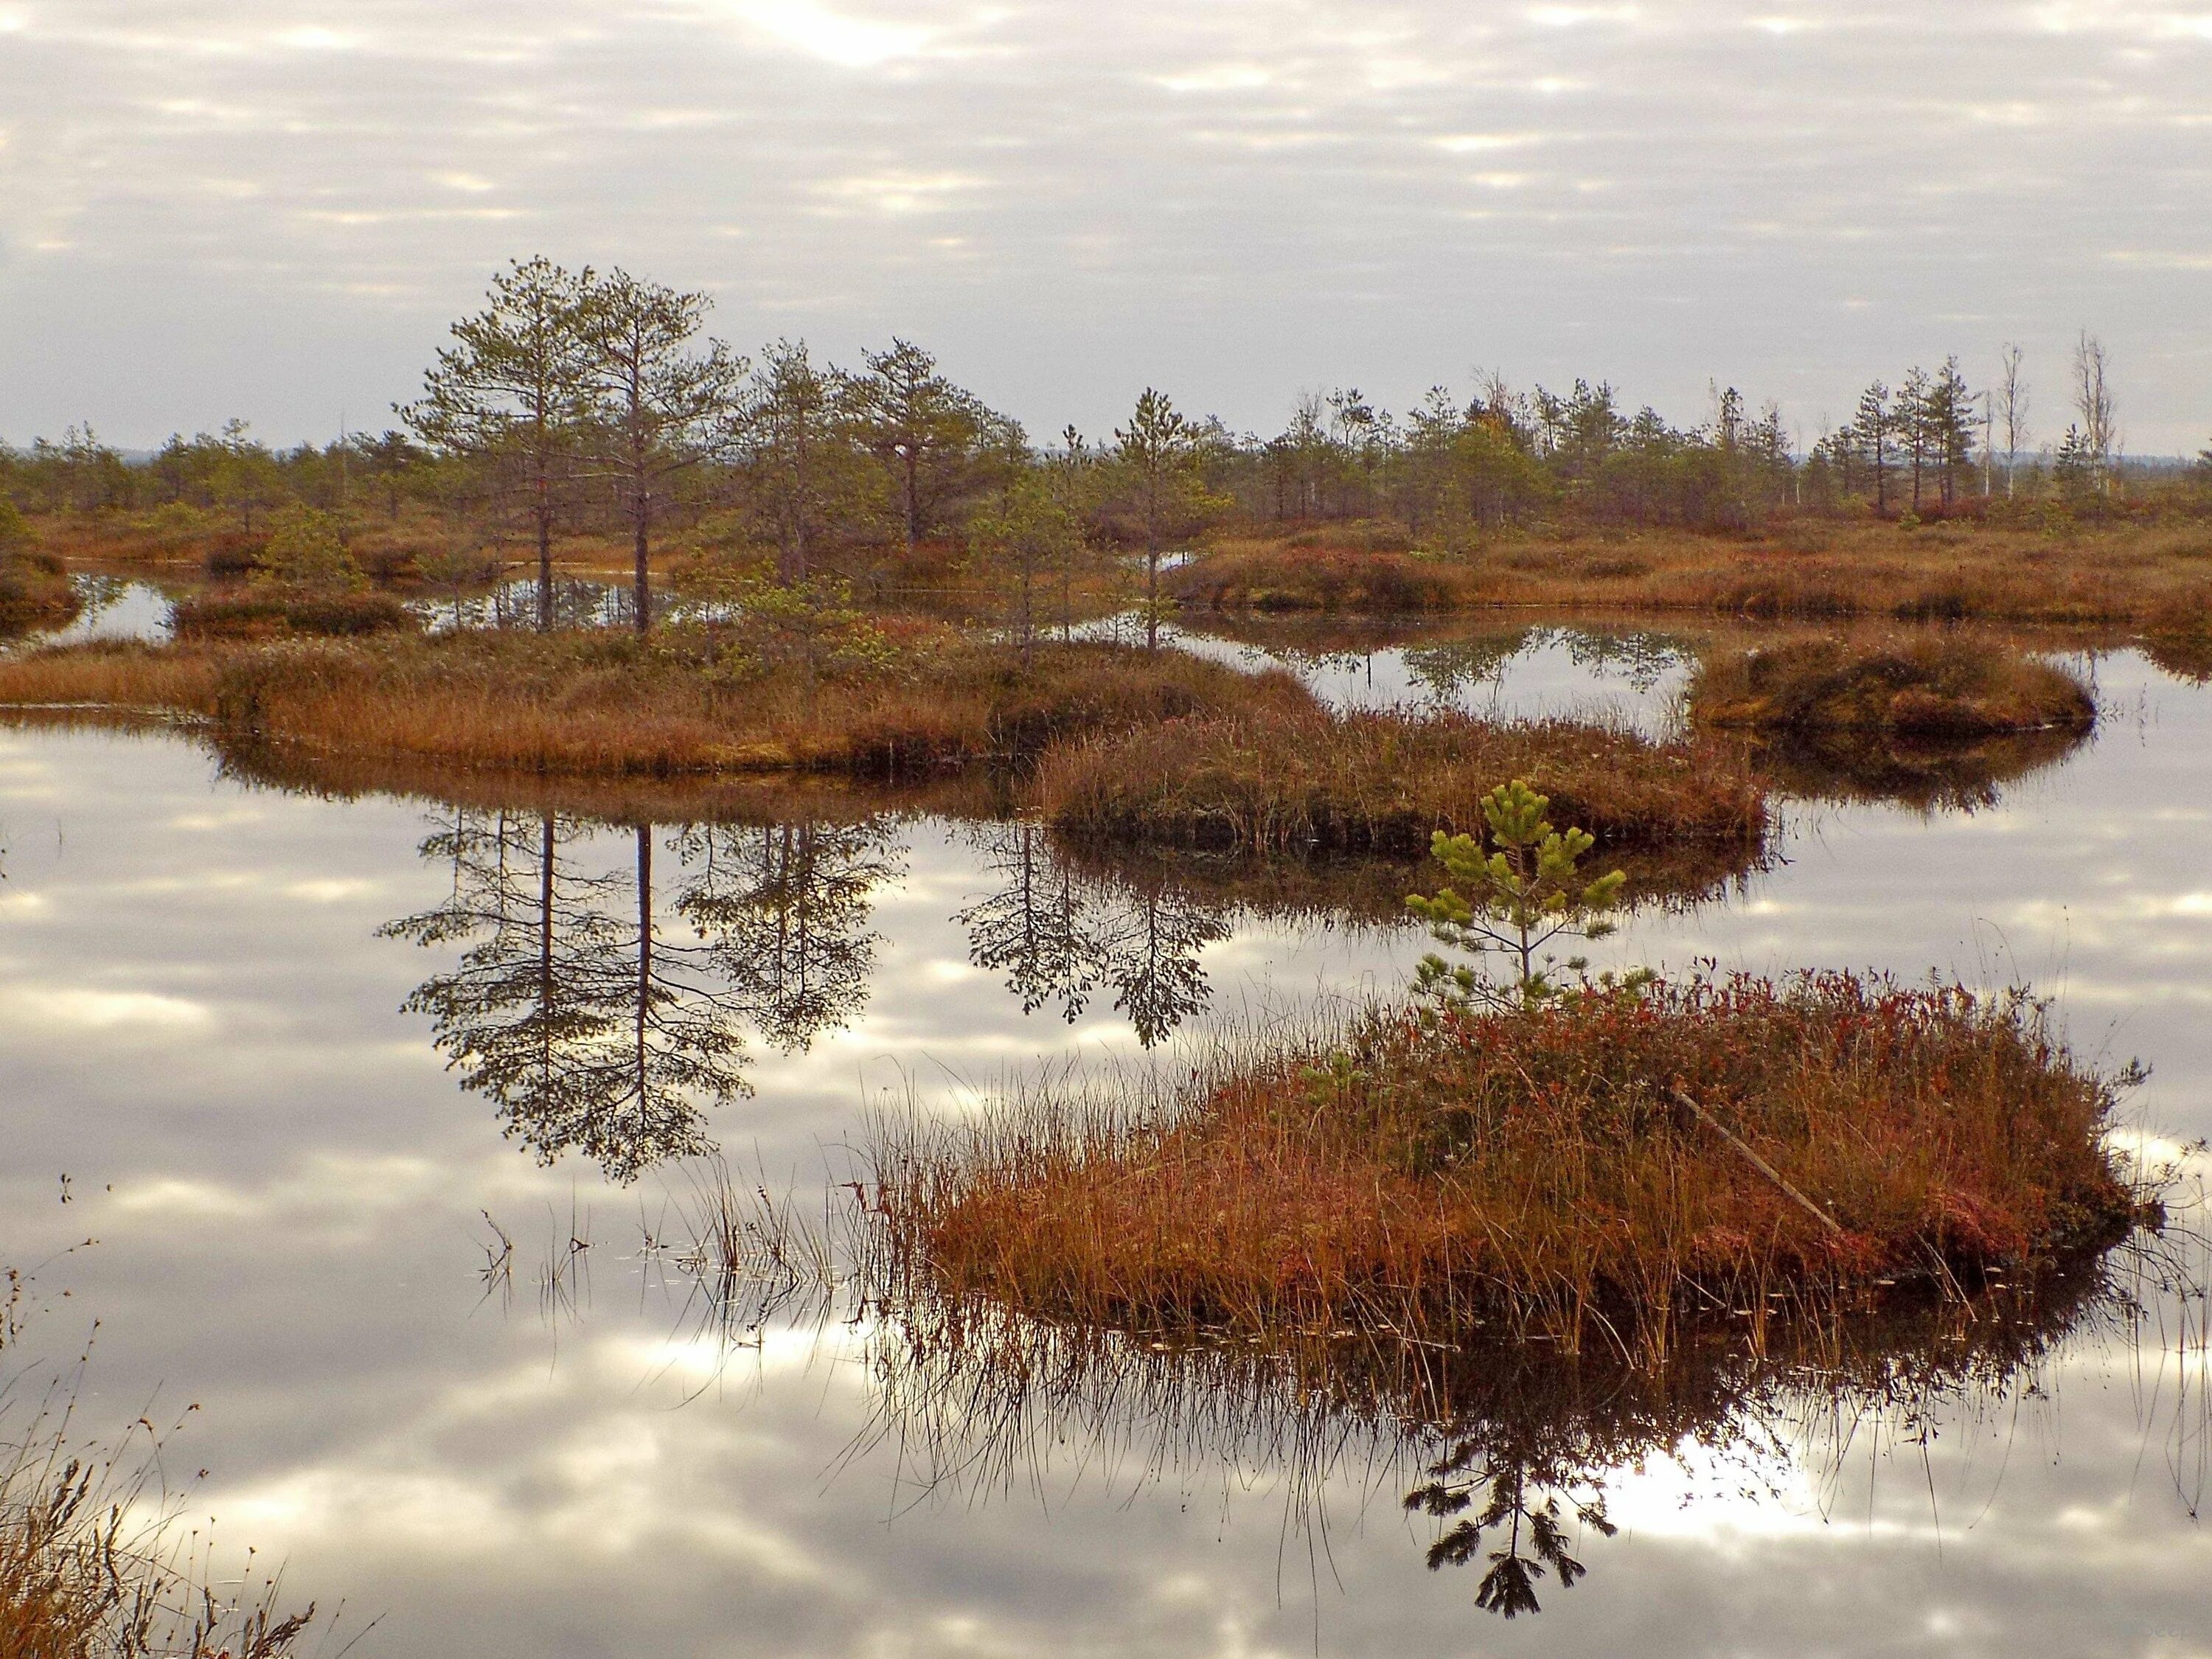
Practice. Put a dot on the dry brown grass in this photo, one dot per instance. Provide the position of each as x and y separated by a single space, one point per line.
1333 581
1928 685
1535 1176
1384 782
252 614
2126 573
604 703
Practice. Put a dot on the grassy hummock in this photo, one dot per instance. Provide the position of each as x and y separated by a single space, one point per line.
259 613
1333 581
1605 1169
1932 687
599 703
1384 782
1806 568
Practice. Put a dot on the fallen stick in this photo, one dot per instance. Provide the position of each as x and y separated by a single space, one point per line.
1760 1164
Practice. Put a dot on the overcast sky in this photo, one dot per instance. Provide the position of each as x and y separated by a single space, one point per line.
271 208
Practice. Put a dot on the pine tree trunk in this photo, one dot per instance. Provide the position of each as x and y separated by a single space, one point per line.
641 590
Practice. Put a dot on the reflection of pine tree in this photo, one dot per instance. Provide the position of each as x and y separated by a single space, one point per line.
1059 937
566 1009
783 908
1522 1499
1449 669
1640 657
1035 929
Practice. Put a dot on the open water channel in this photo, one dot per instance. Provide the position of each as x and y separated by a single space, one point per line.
282 1050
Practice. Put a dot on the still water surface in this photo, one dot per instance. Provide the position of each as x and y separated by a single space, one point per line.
226 1015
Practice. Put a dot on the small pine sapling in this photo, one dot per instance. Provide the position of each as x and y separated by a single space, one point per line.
1514 899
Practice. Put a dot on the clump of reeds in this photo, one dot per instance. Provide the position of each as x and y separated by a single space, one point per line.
1599 1170
1937 686
263 613
95 1561
1385 781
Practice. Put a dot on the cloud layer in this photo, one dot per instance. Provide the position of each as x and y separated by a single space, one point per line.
241 206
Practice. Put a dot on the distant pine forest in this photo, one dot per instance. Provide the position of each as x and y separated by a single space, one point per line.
590 405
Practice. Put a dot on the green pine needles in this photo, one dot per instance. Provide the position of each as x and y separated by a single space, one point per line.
1514 900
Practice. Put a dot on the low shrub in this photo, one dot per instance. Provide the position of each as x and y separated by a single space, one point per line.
1941 686
1603 1167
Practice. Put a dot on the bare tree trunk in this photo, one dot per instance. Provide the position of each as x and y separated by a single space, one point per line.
545 555
1152 572
913 526
641 590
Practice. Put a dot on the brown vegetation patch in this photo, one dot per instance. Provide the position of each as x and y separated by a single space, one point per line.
1943 686
1299 578
258 615
1542 1173
606 704
35 592
1384 782
1809 570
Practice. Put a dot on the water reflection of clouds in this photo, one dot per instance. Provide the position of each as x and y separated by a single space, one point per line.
293 1232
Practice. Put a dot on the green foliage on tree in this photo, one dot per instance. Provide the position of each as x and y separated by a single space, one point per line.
812 625
923 429
1031 532
510 395
15 529
1159 464
306 556
660 400
1513 899
800 476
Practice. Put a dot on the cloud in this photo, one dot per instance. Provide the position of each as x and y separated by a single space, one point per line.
249 206
833 37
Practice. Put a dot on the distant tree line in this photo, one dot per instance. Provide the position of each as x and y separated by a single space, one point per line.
588 403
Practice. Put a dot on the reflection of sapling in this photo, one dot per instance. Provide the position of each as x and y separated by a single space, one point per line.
305 556
1516 899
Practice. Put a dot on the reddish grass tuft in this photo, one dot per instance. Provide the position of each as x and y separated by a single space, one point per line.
1535 1175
